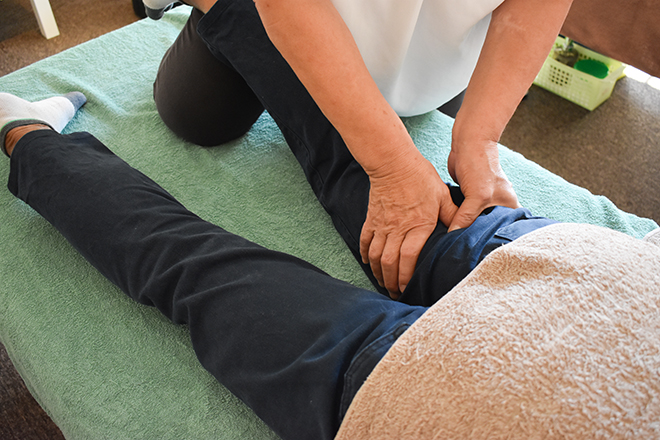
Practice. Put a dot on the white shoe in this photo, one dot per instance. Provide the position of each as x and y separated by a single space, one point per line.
156 8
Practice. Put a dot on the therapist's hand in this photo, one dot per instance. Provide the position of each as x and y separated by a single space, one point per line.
476 168
406 199
498 84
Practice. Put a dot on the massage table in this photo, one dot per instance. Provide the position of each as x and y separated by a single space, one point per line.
103 366
625 31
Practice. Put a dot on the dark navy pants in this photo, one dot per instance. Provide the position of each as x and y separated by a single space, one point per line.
290 341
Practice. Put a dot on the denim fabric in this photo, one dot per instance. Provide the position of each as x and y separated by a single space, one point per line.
276 331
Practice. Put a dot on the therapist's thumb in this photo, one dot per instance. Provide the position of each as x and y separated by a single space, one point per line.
467 213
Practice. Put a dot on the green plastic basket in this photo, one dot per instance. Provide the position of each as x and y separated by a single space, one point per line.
578 87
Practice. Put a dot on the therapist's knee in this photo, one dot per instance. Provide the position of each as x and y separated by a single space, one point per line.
200 98
205 120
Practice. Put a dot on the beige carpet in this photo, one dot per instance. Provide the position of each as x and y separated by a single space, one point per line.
21 42
613 151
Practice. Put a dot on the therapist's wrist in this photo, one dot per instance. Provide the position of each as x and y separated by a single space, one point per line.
398 167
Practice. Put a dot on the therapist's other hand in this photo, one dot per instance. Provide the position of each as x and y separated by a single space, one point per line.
406 199
476 168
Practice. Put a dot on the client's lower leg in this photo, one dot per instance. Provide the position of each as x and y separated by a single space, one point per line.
15 134
276 331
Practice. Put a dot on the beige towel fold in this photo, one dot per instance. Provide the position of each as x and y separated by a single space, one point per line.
556 335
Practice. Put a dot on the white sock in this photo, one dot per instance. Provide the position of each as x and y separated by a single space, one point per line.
56 112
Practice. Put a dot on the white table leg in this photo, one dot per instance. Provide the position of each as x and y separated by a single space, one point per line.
45 18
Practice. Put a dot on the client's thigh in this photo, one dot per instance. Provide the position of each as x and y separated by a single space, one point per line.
200 98
448 257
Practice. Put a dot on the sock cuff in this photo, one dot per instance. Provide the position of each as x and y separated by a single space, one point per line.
77 99
17 123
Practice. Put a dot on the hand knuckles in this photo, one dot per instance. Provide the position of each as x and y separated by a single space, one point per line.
388 261
375 254
409 253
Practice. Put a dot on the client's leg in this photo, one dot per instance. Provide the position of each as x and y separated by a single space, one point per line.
234 33
290 341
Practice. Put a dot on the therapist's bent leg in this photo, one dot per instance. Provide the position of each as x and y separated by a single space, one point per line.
200 98
292 342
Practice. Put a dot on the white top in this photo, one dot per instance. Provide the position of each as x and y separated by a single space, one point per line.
421 53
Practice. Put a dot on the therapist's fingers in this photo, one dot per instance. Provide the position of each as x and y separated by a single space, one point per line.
371 249
393 258
467 213
409 254
416 238
474 205
389 263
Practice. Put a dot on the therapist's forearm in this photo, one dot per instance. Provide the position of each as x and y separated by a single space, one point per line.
519 39
313 38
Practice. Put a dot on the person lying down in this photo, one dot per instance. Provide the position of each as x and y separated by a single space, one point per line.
552 334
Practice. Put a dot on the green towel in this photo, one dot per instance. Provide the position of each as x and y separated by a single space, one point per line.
105 367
